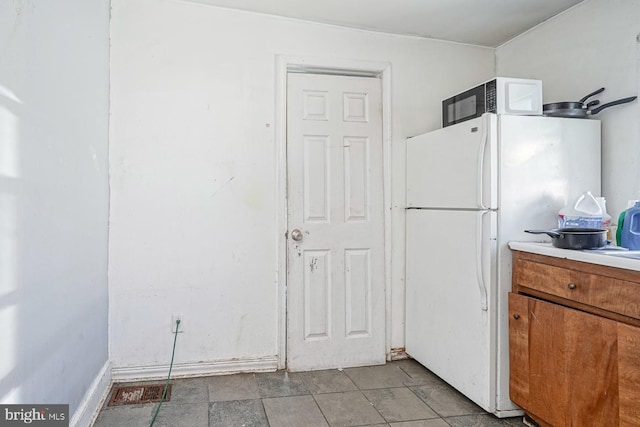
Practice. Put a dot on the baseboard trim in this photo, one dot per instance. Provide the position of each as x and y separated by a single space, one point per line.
185 370
93 399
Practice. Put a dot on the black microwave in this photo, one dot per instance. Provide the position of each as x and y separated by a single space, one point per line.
502 95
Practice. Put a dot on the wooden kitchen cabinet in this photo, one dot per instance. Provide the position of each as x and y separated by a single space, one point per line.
574 342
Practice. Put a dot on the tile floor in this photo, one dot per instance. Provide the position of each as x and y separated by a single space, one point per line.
398 394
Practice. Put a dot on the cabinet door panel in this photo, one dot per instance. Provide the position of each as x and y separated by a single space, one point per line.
536 357
591 366
547 359
629 373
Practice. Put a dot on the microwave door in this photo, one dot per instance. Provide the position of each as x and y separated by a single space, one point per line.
465 106
521 97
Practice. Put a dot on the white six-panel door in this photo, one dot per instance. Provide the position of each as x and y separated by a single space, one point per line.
335 277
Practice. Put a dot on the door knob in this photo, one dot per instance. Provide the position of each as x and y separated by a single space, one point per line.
296 235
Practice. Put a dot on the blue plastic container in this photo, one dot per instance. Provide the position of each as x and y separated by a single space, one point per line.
630 237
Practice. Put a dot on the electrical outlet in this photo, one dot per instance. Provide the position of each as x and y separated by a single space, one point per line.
174 320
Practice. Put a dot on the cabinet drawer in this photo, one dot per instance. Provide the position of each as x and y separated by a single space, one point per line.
607 293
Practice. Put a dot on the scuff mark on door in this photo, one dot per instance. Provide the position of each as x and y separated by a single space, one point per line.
222 186
313 264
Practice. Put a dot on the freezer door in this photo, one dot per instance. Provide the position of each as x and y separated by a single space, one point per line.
454 167
450 297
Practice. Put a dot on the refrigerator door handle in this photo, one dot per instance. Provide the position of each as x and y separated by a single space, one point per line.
480 260
479 178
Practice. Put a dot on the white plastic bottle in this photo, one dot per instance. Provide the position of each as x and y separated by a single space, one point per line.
606 218
585 213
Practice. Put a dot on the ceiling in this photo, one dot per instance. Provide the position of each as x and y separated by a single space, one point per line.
479 22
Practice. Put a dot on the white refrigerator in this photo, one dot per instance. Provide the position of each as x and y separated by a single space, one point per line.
472 188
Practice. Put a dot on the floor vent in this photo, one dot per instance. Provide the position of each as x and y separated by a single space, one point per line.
131 395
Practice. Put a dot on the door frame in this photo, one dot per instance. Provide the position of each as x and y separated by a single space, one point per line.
303 64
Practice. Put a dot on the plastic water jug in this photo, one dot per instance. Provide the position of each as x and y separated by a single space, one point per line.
606 218
630 236
585 213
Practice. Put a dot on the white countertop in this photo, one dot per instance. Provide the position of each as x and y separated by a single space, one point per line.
590 256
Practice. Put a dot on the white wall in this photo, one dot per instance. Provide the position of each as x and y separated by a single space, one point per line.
194 168
593 45
54 80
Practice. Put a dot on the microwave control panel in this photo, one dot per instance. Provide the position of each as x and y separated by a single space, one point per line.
490 97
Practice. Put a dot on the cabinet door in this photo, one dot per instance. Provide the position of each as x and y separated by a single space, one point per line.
564 363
